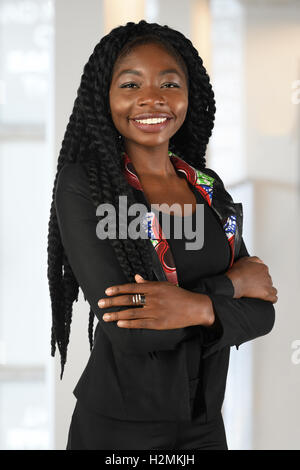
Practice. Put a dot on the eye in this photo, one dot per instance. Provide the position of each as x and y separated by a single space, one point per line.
172 84
133 83
126 85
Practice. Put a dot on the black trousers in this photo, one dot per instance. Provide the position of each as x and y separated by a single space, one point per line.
92 431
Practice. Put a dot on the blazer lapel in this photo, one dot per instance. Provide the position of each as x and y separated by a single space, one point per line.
214 194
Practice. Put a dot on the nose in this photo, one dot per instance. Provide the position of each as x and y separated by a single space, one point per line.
151 96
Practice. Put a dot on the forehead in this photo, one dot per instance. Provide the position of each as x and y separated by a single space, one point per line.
151 56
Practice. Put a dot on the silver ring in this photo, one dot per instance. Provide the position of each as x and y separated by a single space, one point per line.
139 299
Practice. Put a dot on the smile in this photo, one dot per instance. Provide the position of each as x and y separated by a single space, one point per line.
151 126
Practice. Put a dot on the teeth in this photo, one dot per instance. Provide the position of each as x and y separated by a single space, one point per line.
151 121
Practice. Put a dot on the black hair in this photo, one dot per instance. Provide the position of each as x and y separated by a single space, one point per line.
92 138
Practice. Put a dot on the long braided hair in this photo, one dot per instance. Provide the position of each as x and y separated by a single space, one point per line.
92 139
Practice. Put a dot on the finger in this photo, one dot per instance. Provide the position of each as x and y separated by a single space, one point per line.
139 278
274 291
127 288
274 299
119 300
129 314
255 259
143 323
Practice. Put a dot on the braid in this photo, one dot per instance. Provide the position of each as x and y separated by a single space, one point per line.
92 139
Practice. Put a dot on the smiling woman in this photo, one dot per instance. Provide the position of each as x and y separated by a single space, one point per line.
139 128
159 92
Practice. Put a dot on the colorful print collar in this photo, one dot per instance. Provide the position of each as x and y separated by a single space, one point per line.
204 183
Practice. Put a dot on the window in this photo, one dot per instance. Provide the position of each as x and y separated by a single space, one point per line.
25 58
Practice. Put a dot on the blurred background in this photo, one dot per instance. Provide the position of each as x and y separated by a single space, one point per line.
251 50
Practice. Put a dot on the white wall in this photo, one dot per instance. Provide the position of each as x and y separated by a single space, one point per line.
276 419
272 43
273 56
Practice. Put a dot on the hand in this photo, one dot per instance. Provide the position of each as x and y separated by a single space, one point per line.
251 278
167 306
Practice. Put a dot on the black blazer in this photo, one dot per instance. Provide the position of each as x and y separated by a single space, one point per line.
141 374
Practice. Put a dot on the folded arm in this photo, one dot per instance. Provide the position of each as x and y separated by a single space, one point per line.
96 266
237 320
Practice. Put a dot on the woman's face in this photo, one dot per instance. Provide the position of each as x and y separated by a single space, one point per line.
148 91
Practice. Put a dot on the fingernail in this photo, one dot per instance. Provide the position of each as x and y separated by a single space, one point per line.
106 316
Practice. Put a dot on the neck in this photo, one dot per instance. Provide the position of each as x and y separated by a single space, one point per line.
151 162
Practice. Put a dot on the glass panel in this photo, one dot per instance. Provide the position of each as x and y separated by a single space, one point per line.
24 416
25 197
24 213
25 32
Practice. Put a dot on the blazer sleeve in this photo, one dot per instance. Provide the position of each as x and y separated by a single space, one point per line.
236 320
96 267
218 284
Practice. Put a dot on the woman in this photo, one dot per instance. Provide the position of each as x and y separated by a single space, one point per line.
157 380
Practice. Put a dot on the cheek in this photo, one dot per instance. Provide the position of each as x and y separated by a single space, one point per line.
117 98
181 110
117 107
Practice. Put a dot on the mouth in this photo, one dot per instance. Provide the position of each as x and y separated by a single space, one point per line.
156 127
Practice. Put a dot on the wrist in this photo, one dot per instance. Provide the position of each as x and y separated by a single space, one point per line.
202 312
237 284
210 314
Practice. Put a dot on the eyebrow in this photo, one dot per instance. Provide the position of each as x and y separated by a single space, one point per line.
136 72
